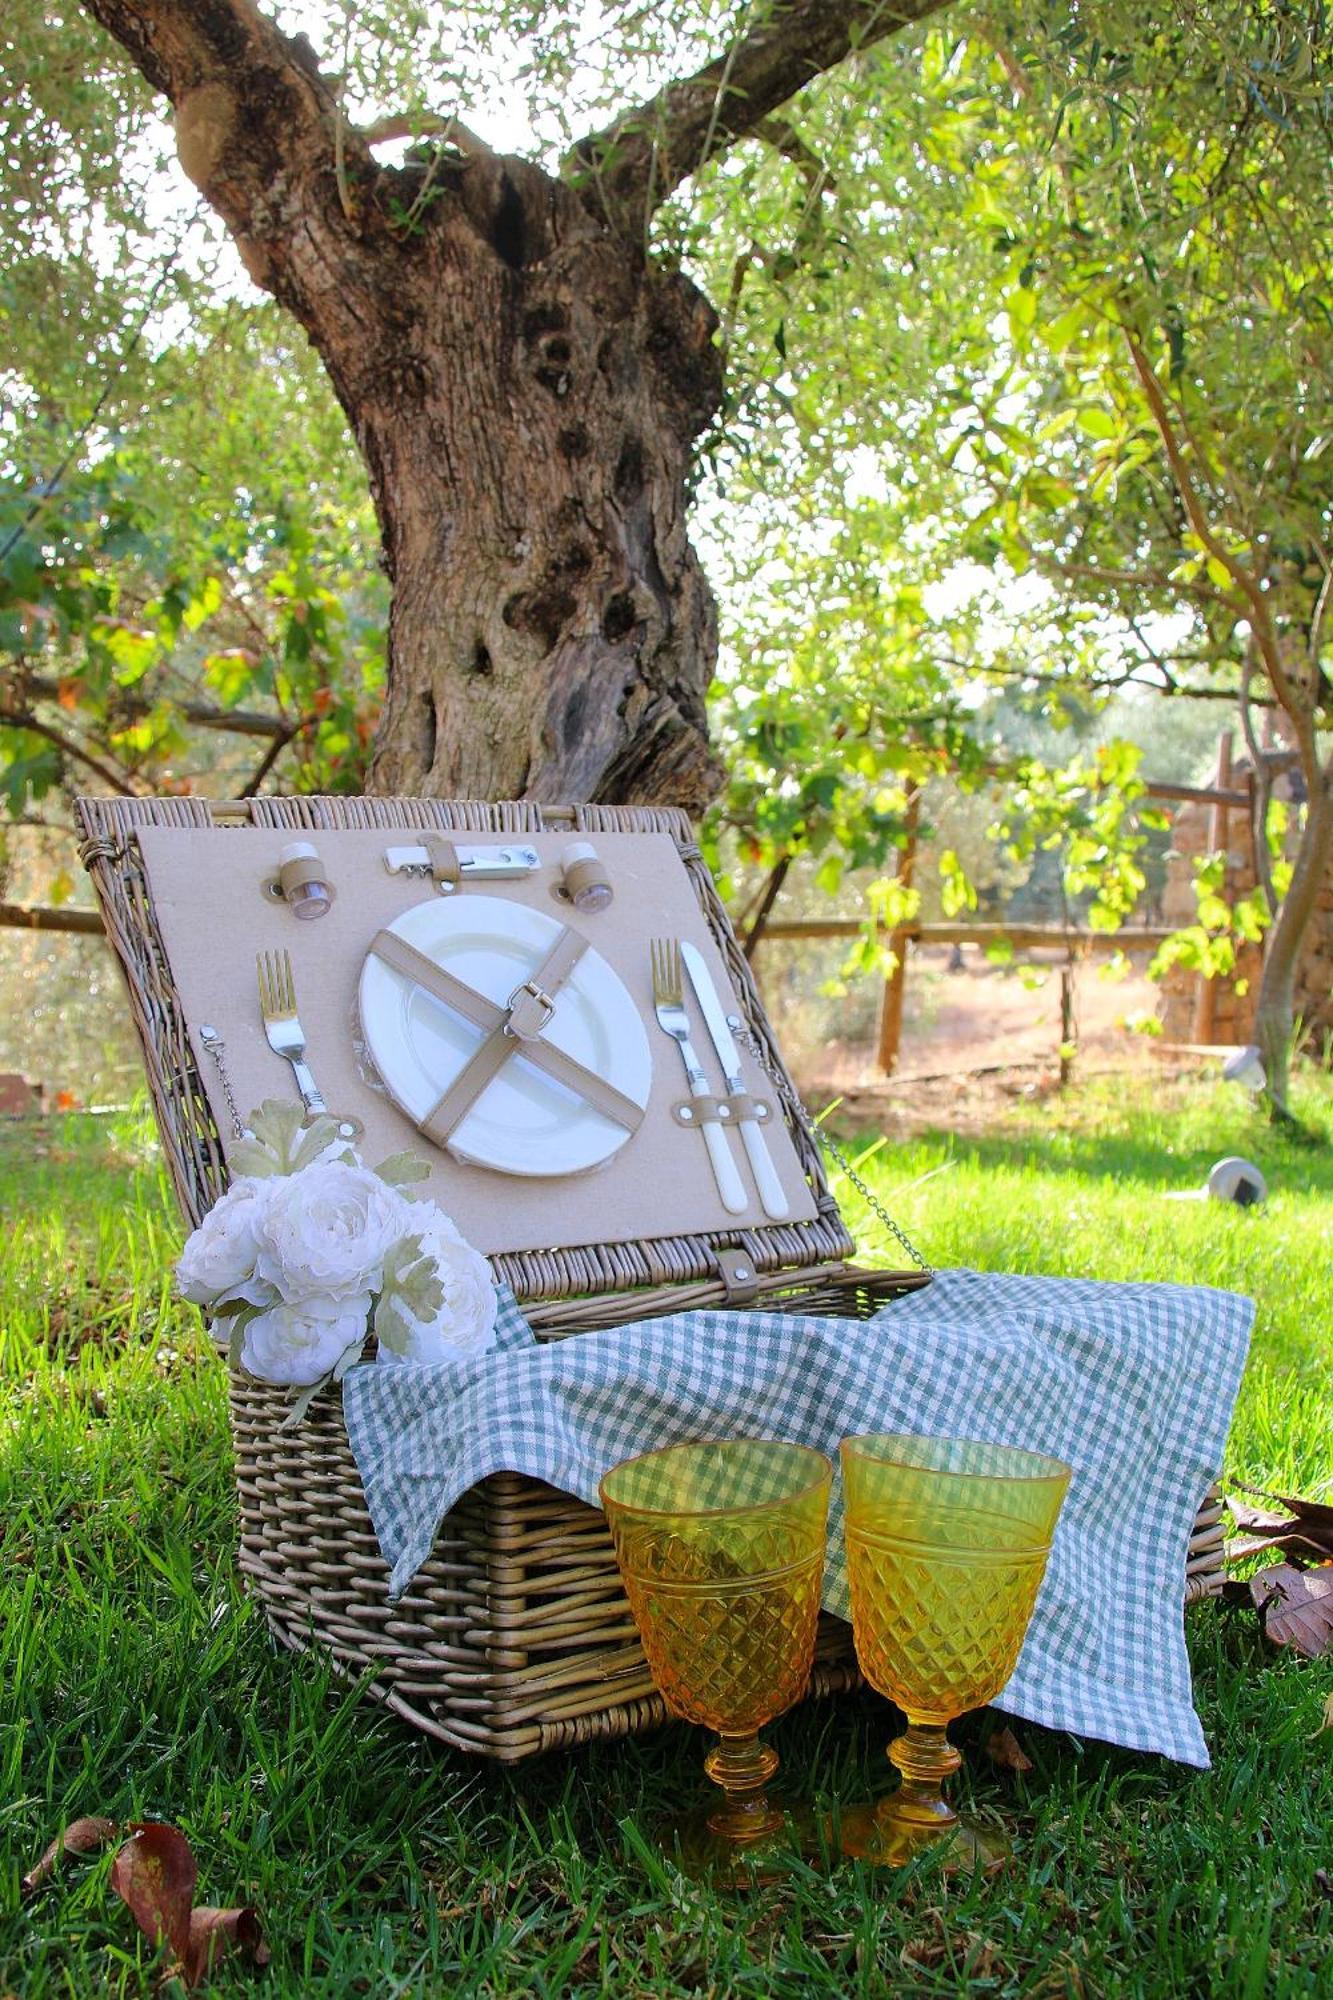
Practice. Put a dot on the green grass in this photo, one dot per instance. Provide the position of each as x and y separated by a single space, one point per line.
135 1680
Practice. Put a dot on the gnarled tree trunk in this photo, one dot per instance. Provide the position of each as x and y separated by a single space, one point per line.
528 428
525 384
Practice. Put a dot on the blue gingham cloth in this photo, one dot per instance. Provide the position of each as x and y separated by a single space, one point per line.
1133 1385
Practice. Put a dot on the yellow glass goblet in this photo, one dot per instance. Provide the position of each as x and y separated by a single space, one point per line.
947 1541
721 1549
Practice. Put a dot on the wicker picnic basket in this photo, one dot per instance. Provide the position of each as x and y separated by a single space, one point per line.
516 1636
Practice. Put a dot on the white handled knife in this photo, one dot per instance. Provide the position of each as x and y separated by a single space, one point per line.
756 1146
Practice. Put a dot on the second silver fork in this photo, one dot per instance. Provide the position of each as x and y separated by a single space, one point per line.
669 1007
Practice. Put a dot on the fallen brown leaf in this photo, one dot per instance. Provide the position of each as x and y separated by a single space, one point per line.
1327 1721
81 1836
154 1875
1297 1607
213 1932
1323 1882
1306 1525
1003 1748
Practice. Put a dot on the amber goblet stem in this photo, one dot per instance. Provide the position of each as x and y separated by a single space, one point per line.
925 1757
742 1766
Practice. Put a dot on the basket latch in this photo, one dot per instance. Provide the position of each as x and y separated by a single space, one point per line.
740 1280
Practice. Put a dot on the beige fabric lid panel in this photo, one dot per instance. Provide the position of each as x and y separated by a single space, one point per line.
214 917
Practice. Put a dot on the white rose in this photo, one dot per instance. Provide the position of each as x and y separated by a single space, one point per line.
295 1345
465 1323
218 1261
327 1231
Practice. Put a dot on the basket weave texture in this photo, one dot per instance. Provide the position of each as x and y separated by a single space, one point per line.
516 1637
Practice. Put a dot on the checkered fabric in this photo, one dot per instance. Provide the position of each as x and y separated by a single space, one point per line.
1132 1385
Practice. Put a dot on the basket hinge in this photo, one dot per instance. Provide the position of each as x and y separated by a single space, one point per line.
740 1280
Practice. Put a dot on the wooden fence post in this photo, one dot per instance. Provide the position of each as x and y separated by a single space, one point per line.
891 1005
1067 1044
1205 999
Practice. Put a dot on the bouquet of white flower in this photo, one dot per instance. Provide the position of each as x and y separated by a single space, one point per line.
309 1250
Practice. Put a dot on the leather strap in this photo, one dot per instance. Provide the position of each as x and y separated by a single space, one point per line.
445 867
295 874
509 1031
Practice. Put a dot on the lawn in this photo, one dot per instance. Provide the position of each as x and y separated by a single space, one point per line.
136 1682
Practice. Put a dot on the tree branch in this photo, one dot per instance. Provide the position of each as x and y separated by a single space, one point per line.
257 133
631 166
1261 765
783 137
452 131
1254 603
272 754
201 715
15 916
24 719
1115 684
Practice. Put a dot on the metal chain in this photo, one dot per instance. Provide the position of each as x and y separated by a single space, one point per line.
745 1034
216 1047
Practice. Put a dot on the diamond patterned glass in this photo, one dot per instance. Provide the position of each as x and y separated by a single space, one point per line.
721 1549
947 1541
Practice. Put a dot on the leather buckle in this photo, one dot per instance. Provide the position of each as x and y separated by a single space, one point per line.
529 1011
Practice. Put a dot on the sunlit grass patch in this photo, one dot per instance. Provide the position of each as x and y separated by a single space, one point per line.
136 1681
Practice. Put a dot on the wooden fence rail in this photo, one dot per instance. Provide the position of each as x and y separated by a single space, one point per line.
1023 937
1076 941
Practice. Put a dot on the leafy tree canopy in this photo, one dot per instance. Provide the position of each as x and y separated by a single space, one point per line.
975 285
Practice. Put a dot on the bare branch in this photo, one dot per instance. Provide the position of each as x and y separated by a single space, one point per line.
1115 684
1261 765
785 139
23 718
16 916
257 132
452 131
1253 600
1320 613
630 167
201 715
272 754
754 929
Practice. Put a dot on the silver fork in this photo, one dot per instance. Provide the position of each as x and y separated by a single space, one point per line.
669 1007
282 1026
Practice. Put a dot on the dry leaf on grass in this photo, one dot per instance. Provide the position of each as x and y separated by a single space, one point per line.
1307 1525
213 1932
155 1875
1003 1748
1297 1606
81 1836
1327 1719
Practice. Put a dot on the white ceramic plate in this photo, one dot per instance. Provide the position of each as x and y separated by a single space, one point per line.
523 1122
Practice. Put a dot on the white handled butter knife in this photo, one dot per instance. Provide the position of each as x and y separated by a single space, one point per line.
756 1146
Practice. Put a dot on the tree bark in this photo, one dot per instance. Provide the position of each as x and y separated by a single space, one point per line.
525 386
1276 1004
529 433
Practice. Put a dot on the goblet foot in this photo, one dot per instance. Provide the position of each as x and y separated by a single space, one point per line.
703 1854
878 1836
744 1838
917 1819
